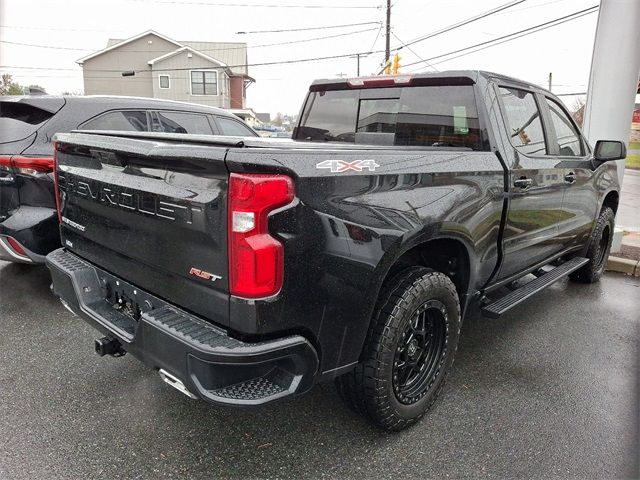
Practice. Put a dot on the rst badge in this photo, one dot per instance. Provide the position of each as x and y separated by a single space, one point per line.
204 275
340 166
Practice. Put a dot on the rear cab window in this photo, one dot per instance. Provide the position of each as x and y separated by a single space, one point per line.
443 115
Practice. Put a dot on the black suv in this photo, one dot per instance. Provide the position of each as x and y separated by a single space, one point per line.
28 221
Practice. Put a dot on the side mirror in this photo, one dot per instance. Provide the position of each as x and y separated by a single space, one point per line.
607 150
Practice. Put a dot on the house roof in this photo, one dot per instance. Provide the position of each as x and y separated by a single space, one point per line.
120 43
185 49
233 54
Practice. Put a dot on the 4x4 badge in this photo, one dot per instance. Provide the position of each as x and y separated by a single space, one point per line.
340 166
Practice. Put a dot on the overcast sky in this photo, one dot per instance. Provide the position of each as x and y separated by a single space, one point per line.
75 28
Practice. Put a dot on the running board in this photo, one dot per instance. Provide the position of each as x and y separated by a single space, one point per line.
499 307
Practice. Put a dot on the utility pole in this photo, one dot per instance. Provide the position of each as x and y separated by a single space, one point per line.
387 50
550 80
357 57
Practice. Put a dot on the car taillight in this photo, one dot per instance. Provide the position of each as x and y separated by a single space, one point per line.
16 246
32 165
27 165
5 162
256 259
56 184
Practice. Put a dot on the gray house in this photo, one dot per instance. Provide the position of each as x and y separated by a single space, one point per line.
208 73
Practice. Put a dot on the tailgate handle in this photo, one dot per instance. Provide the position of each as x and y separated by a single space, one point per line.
570 177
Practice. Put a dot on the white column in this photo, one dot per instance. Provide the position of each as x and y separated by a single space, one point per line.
613 80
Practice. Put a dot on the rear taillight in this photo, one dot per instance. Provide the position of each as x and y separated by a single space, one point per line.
256 259
56 184
27 165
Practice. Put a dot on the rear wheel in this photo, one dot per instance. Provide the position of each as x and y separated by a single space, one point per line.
409 350
598 250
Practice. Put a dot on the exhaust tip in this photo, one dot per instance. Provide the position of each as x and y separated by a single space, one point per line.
175 383
109 346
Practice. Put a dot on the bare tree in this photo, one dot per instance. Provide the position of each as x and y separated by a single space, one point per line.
578 111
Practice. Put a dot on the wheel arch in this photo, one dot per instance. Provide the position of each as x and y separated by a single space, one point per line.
431 251
611 200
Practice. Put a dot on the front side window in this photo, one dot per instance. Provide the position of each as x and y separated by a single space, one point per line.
164 81
204 82
569 143
122 120
433 116
523 121
180 122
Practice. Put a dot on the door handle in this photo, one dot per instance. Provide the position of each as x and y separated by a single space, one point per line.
570 177
522 182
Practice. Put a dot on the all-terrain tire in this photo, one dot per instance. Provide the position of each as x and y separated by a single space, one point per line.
372 387
598 249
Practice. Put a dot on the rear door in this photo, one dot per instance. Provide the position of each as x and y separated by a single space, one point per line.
536 182
150 212
130 120
580 198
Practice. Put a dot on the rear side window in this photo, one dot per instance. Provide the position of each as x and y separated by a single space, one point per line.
435 116
19 120
523 121
569 143
179 122
123 120
233 128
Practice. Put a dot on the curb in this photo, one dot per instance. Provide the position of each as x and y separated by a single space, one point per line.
623 265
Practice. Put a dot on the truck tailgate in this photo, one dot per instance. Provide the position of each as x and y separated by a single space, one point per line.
151 212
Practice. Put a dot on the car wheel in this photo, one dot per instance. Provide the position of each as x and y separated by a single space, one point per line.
409 349
598 250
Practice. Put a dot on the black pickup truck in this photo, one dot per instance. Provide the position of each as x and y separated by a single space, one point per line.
246 270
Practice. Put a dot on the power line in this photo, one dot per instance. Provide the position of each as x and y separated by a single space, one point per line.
261 5
555 22
505 38
509 39
309 28
377 36
262 64
325 37
62 29
466 22
412 51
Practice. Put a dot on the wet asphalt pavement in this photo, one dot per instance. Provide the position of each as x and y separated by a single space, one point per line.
550 390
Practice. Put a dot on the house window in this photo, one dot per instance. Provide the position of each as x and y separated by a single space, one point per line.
164 81
204 82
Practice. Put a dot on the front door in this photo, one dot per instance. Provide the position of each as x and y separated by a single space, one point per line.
580 201
536 181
